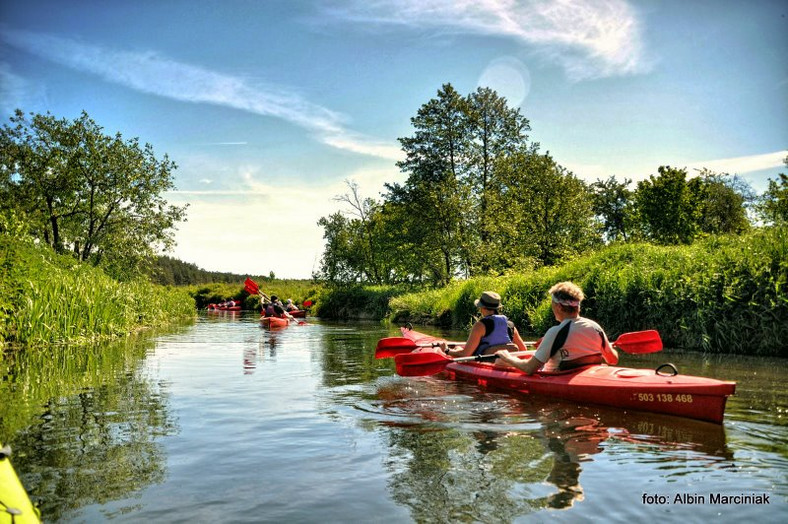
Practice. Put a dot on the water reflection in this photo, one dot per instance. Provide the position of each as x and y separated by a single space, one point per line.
87 422
458 453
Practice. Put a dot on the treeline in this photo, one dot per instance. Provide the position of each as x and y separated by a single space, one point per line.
480 199
169 271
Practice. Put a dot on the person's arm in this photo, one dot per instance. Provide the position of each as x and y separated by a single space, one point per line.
474 337
527 366
518 341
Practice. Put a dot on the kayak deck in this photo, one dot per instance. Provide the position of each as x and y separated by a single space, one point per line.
640 389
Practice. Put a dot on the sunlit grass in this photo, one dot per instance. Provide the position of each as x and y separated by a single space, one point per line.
721 294
54 299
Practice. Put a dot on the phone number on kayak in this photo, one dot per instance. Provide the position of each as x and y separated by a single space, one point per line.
663 397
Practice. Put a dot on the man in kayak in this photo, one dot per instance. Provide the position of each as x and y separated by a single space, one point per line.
492 332
576 341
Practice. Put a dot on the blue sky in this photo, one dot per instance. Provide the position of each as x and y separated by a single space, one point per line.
268 107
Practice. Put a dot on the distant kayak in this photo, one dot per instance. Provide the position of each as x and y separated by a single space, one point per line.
274 322
640 389
298 313
219 307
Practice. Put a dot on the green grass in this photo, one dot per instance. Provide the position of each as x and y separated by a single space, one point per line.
47 298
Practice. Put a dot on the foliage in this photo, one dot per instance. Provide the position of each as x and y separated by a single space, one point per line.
547 213
96 196
724 294
48 298
358 302
773 205
612 203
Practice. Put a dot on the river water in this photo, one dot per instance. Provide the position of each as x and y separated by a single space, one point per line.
222 421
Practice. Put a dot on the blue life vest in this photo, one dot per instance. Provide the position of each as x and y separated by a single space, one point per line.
499 335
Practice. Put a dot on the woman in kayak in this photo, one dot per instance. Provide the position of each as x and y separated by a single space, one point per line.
574 342
491 332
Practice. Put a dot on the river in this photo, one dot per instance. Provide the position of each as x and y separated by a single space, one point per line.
222 421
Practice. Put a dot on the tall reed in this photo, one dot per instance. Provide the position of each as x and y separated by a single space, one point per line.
723 294
52 299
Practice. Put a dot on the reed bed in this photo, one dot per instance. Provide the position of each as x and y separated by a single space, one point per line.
725 294
54 299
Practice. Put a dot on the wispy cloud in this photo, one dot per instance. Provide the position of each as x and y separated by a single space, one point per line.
16 92
149 72
588 38
743 164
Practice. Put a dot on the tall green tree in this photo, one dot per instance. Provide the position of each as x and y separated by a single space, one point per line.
667 207
543 213
435 160
97 196
772 207
495 131
614 207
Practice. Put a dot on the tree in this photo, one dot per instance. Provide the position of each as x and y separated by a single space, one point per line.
495 131
614 207
667 208
773 205
435 158
544 211
96 196
723 201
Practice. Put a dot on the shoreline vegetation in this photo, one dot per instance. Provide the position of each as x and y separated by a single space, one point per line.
722 294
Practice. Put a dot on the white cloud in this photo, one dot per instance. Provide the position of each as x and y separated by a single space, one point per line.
743 164
149 72
257 227
588 38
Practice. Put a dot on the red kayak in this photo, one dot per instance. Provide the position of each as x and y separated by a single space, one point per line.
298 313
274 322
222 307
639 389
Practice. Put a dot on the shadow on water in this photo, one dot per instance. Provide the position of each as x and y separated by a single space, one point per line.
85 423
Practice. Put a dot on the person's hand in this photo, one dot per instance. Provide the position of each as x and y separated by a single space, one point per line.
443 347
504 355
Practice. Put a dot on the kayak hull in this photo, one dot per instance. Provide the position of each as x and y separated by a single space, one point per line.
298 313
639 389
274 322
13 495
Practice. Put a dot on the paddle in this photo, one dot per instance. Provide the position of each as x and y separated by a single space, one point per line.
432 362
635 343
392 346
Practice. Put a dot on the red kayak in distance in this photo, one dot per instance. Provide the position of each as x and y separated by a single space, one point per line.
274 322
217 307
637 389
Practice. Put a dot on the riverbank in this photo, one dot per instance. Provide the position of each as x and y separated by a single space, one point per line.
724 294
47 298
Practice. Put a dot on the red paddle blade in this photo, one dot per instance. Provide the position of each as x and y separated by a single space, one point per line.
251 286
308 303
420 364
639 342
393 346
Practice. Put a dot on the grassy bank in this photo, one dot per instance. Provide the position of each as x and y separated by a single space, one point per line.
46 298
722 294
